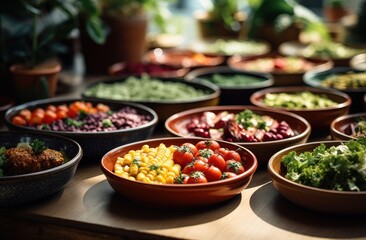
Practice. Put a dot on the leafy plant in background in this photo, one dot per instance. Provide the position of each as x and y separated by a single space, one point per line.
282 14
31 30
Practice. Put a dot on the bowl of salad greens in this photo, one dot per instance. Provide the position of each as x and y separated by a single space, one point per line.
236 85
318 106
326 176
349 126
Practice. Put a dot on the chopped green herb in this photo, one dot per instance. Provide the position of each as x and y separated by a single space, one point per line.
37 146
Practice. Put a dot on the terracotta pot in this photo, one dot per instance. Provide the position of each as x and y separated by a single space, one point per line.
35 83
126 42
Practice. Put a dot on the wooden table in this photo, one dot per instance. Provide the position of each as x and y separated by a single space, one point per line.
88 208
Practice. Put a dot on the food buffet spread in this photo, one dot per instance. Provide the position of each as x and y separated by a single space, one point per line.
225 139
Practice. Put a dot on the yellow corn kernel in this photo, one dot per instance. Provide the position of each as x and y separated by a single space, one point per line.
170 180
160 179
140 176
171 174
168 164
176 169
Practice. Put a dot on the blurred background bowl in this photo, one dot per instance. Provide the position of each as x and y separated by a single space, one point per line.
316 79
94 144
358 62
320 118
182 58
328 201
165 107
344 127
5 104
26 188
236 86
177 195
124 69
282 68
176 126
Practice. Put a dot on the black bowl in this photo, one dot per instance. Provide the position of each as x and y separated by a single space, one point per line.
236 94
94 144
25 188
315 79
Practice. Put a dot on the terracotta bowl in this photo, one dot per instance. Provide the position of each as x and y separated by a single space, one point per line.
166 108
315 79
22 189
106 139
340 128
182 58
236 94
153 69
177 195
281 78
319 119
329 201
175 125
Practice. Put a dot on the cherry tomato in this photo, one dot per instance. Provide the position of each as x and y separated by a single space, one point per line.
102 107
25 114
188 168
222 151
62 107
192 147
37 117
234 166
181 179
200 165
213 173
51 107
206 153
211 144
182 156
61 114
49 117
226 175
218 161
18 120
232 155
196 177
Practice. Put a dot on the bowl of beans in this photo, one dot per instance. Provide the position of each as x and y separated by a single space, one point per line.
318 106
286 70
165 96
344 79
236 86
350 126
97 126
152 69
179 172
248 126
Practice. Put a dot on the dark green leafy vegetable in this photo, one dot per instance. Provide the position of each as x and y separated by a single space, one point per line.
37 146
341 167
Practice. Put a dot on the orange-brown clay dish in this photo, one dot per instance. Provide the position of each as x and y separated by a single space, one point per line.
177 195
340 127
329 201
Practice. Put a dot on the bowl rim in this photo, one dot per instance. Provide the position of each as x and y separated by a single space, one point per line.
267 79
247 174
320 63
343 118
34 103
243 107
287 89
63 167
357 60
279 178
212 87
309 78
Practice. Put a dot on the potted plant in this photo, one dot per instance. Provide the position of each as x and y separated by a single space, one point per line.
278 21
31 32
221 18
126 23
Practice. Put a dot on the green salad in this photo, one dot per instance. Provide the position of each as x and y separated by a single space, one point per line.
341 167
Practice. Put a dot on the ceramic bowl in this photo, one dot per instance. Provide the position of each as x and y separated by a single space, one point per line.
294 48
177 195
228 47
25 188
166 108
343 128
182 58
236 93
316 78
358 62
5 104
94 144
153 69
328 201
281 77
175 125
319 119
